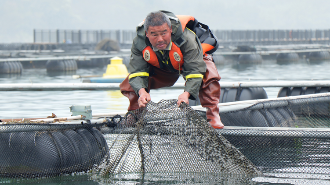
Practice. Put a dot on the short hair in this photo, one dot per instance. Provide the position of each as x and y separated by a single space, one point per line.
157 18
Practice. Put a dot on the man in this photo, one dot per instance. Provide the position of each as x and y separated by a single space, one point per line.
163 49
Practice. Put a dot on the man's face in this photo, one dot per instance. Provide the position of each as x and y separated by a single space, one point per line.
159 36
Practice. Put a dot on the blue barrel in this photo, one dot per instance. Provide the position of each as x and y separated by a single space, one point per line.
61 65
218 59
319 56
237 94
49 152
283 58
270 117
296 91
249 59
92 63
318 108
13 67
241 94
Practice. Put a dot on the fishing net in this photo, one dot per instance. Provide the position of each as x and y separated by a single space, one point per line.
289 134
284 135
165 138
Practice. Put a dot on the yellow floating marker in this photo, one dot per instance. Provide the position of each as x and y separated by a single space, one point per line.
116 72
116 69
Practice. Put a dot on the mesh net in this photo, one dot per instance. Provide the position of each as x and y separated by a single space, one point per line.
292 135
166 138
292 150
283 135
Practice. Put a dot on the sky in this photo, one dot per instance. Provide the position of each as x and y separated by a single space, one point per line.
20 17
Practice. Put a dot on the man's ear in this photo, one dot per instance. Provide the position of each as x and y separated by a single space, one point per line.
146 34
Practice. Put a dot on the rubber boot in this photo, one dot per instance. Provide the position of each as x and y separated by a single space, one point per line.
212 115
209 94
128 91
209 98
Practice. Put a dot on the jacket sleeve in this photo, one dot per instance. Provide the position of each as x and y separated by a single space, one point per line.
194 67
139 70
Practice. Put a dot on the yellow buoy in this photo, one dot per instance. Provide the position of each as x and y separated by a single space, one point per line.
116 69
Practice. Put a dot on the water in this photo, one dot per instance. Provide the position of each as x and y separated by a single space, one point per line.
35 104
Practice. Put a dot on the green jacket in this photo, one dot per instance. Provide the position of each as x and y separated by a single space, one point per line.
190 47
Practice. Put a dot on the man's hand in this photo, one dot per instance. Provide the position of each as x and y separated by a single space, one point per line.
144 98
183 98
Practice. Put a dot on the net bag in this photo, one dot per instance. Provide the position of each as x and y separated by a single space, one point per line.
165 138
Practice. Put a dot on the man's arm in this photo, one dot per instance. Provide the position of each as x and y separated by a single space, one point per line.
144 97
184 97
139 71
194 66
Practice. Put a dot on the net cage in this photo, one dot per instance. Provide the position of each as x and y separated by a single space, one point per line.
283 135
275 135
165 138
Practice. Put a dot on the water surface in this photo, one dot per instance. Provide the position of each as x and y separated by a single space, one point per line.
18 104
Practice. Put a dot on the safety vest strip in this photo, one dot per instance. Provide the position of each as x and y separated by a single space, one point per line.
194 76
138 74
206 47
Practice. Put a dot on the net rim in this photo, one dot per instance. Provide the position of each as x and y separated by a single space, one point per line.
275 132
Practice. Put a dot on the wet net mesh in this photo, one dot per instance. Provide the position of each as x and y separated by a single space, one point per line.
283 135
289 135
166 138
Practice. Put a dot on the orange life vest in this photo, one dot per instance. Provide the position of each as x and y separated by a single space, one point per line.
175 54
